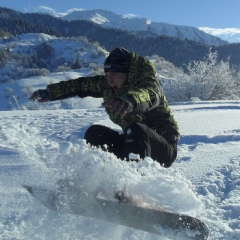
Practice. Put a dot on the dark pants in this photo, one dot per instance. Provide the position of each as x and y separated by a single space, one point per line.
137 138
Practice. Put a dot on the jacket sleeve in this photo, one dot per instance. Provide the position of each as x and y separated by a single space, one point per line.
144 91
82 87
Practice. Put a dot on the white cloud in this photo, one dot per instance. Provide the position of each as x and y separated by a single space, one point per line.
74 10
130 15
41 9
51 11
69 11
44 9
221 31
228 34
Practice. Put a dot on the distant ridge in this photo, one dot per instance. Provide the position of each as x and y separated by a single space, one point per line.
143 26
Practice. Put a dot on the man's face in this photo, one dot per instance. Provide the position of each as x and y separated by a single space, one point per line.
116 79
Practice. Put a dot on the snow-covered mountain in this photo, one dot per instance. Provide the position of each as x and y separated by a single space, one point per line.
138 25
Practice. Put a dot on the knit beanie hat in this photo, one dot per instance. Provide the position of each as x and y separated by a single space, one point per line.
118 61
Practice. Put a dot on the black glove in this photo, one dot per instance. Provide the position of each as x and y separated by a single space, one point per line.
118 106
42 95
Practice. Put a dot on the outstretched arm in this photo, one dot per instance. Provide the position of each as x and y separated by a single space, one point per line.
82 87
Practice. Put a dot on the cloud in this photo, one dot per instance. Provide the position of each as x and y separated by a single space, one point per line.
51 11
130 15
231 35
41 9
44 9
221 31
75 9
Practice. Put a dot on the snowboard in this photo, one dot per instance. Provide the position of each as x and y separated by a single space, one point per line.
120 210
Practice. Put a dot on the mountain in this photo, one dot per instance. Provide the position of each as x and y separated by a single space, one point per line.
175 50
13 22
146 43
143 26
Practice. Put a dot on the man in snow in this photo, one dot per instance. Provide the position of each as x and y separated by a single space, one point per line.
134 100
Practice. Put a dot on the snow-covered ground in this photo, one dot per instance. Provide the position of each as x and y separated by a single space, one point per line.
40 147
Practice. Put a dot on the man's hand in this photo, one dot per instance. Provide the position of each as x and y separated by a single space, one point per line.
117 106
41 94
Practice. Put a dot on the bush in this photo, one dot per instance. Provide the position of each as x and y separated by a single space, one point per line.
209 79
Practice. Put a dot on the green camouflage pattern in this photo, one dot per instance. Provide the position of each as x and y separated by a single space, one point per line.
142 90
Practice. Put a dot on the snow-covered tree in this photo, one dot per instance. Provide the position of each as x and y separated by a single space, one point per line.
207 80
211 79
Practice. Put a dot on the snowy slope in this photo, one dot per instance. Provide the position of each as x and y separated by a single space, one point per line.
40 147
21 53
112 20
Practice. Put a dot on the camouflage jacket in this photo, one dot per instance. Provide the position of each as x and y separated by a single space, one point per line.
142 89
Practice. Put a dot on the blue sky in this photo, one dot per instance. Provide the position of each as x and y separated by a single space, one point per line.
197 13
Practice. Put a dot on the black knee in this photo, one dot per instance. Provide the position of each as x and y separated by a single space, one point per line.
105 138
135 129
93 135
136 140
